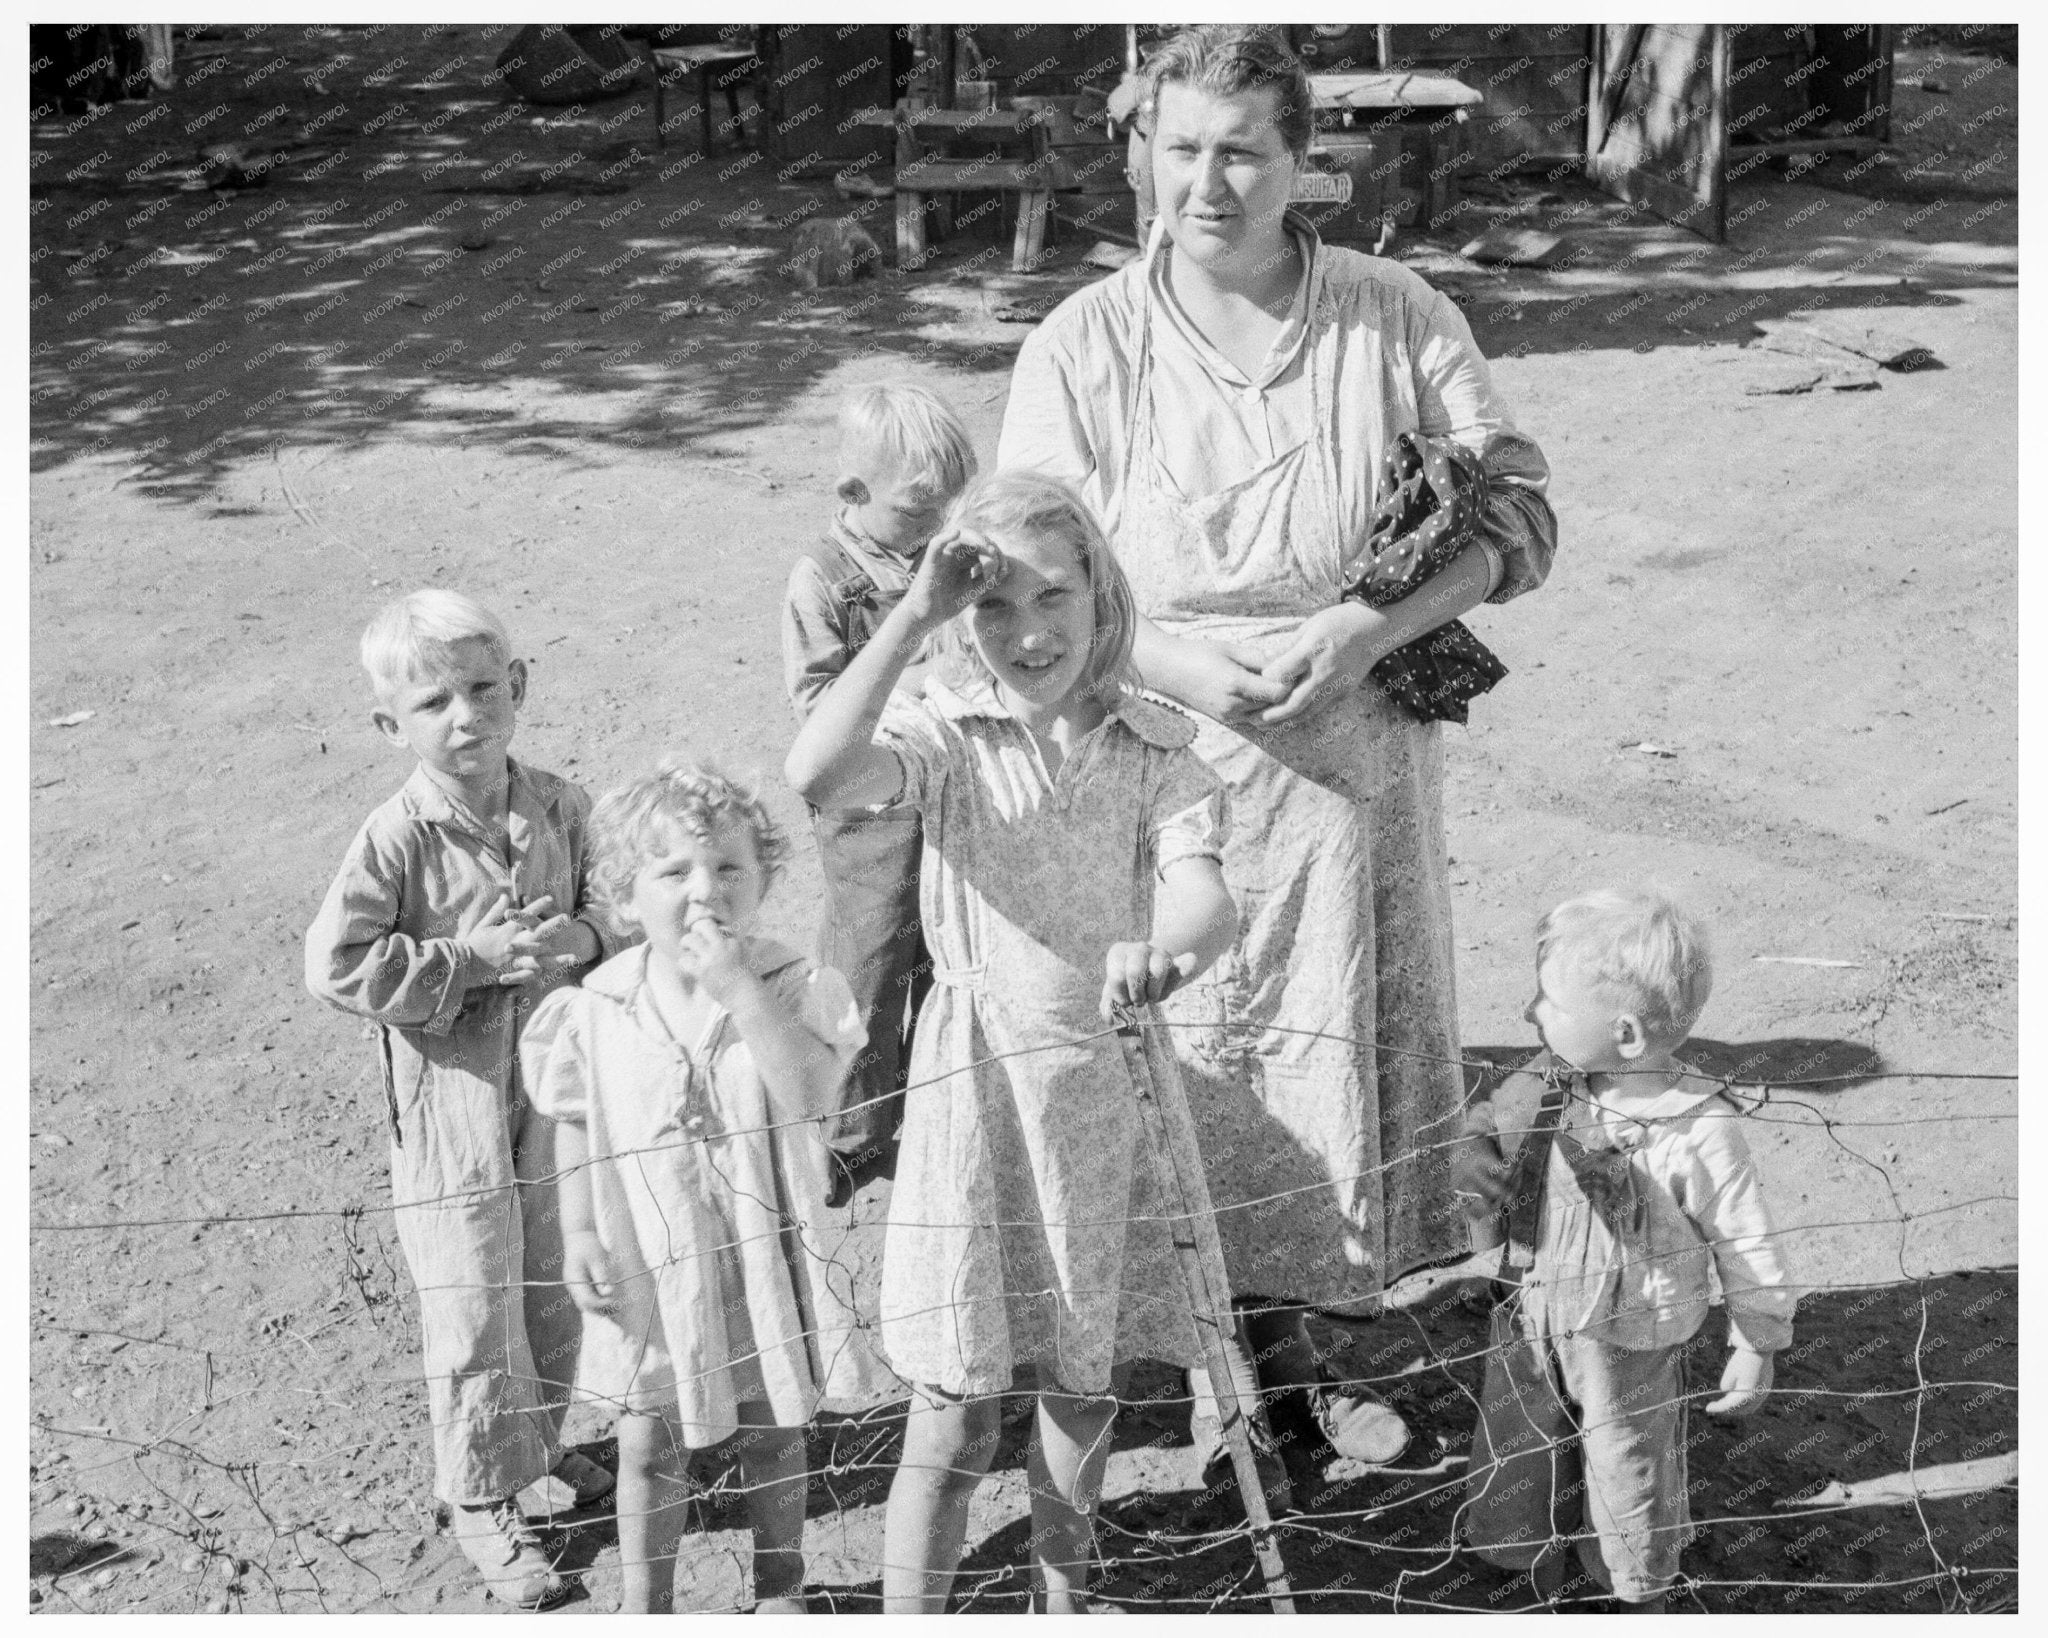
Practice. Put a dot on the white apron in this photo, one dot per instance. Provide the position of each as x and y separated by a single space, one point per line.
1325 1154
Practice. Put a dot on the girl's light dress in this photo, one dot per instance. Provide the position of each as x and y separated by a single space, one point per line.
711 1211
1026 1226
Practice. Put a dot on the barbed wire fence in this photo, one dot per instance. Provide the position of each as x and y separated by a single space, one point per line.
267 1531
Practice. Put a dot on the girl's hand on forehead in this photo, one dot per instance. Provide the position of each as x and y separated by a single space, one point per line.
959 567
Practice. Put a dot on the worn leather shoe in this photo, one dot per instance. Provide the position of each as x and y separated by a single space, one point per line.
1357 1424
508 1555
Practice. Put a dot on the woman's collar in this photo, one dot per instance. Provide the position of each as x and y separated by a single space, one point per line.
1300 310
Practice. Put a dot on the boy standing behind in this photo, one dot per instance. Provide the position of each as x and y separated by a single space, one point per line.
903 457
460 904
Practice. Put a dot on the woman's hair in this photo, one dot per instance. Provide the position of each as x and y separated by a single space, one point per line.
1641 944
913 430
629 824
411 634
1227 59
1021 501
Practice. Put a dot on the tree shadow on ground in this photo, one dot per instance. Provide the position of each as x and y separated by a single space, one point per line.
444 346
429 260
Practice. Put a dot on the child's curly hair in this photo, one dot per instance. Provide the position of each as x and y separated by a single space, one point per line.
627 825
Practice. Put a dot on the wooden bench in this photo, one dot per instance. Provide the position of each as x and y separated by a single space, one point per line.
925 178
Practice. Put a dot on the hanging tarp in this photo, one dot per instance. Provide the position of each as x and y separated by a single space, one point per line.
1656 120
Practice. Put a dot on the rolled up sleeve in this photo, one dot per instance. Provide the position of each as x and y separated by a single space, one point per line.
1455 397
1520 525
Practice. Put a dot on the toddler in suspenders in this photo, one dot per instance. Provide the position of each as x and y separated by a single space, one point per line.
1628 1195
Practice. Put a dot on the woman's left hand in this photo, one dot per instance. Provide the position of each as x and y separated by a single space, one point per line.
1332 652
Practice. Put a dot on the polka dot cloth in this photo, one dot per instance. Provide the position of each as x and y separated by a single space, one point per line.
1433 495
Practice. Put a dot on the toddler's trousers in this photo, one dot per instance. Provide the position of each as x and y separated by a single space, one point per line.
872 934
484 1244
1578 1440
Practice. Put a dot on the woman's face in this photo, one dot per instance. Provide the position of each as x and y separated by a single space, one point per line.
1222 173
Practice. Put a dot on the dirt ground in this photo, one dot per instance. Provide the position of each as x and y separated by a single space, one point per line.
456 340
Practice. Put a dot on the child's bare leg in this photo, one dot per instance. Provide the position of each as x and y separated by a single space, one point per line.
773 1470
653 1504
946 1449
1067 1462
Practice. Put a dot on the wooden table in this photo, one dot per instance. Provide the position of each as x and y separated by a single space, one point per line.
1430 108
704 61
1389 88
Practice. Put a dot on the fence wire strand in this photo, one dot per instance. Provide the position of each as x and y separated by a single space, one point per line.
1137 1569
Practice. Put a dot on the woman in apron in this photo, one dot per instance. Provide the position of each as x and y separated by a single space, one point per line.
1224 402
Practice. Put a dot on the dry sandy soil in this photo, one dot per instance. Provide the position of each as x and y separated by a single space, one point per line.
456 340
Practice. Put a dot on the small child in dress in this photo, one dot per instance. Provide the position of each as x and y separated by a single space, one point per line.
1071 864
462 901
686 1079
1630 1186
903 458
